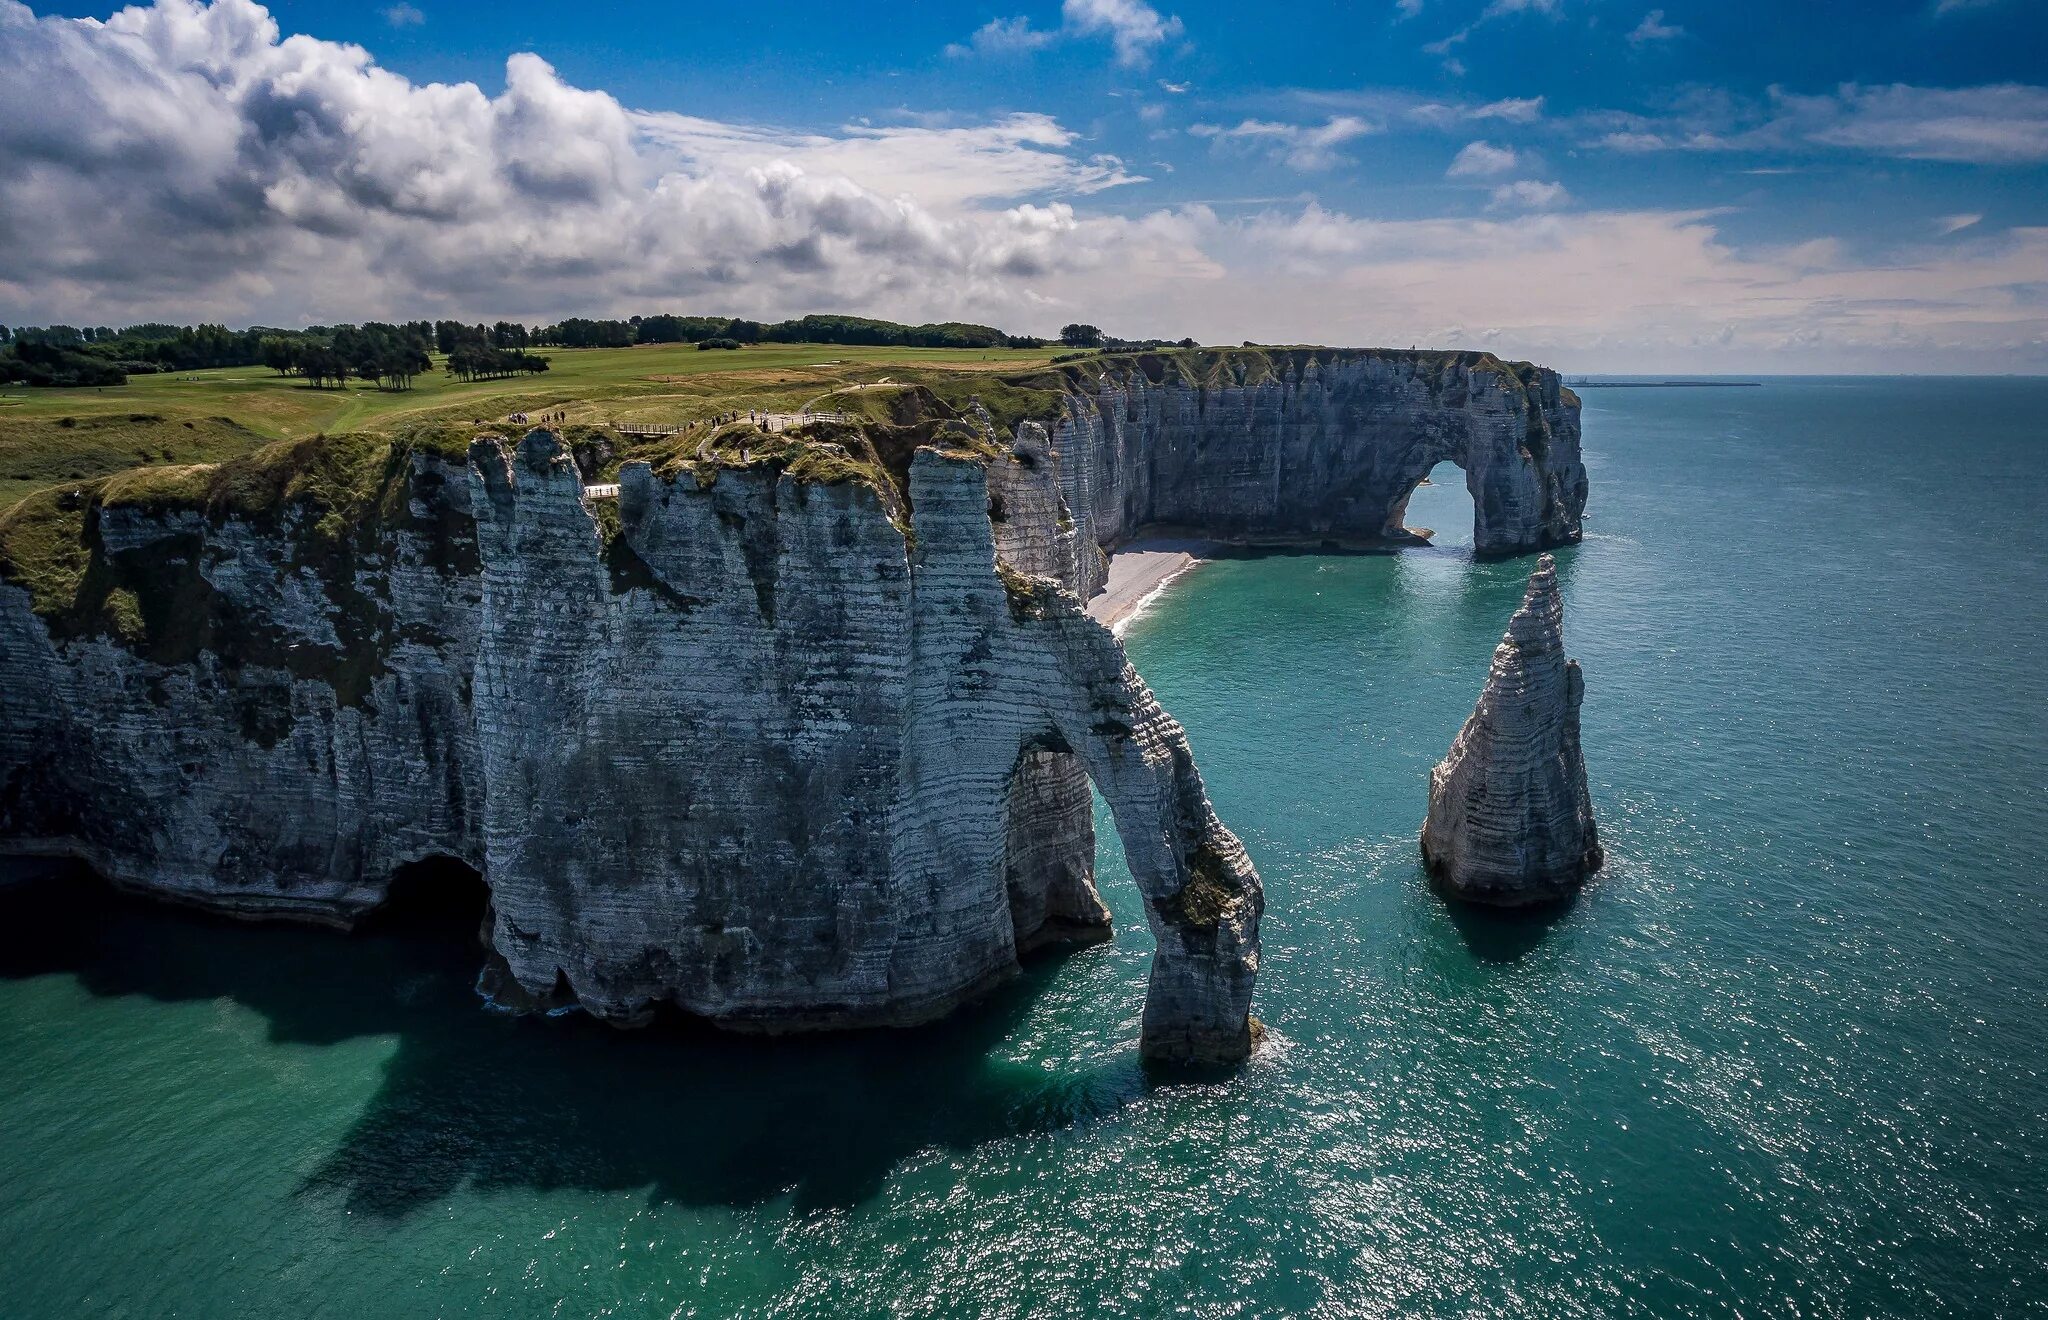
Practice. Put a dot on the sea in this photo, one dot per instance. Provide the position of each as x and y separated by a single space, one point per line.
1783 1057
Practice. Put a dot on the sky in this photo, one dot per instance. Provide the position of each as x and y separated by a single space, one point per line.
1598 185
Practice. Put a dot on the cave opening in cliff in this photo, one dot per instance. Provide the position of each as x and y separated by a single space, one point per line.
437 895
1440 508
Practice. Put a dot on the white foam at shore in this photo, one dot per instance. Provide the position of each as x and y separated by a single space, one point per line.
1137 574
1144 602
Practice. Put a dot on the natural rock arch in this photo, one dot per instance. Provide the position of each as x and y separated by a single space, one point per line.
1327 446
1049 850
768 776
1073 694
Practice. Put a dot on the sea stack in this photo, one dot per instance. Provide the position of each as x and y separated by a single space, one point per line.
1510 822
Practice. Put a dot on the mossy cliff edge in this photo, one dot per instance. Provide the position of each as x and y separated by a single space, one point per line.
796 732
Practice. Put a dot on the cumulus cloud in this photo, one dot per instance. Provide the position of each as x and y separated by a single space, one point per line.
1135 30
186 162
204 165
1479 159
1299 146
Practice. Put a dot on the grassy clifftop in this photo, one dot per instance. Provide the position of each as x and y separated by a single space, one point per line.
51 437
881 404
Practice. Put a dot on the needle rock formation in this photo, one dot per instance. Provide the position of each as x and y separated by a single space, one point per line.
1510 823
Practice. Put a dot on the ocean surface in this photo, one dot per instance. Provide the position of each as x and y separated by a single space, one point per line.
1784 1057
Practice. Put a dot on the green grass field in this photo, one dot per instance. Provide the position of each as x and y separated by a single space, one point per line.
50 436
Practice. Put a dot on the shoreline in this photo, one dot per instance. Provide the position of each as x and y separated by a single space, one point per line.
1141 568
1138 572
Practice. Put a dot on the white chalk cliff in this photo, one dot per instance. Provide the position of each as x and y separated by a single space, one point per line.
784 747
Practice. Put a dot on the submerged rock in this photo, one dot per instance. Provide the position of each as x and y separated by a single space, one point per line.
1510 822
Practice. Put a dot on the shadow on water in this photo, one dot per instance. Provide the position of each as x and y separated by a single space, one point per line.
696 1115
1505 935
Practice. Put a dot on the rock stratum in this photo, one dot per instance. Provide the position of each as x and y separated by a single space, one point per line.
796 733
1510 821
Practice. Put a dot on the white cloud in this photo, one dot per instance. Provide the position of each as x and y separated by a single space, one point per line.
1135 28
1996 124
1004 36
404 15
1515 110
1479 159
1954 224
2000 124
1300 146
1617 290
182 162
205 167
1529 194
1654 28
1174 88
1495 9
1017 156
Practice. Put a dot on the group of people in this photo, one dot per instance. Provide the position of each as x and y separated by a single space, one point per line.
559 415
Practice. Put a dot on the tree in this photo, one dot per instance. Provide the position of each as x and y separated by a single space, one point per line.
320 364
281 355
1079 335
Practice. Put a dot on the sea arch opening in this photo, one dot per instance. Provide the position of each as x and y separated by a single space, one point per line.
1440 508
1049 849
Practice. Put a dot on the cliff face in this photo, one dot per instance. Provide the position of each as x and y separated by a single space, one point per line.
753 752
1510 821
217 720
1320 444
793 740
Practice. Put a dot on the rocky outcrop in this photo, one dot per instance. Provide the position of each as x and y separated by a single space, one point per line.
1317 445
1510 821
795 734
751 749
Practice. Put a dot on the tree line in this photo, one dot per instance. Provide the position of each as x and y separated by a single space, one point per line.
393 354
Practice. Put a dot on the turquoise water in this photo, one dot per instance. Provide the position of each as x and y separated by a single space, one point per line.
1784 1057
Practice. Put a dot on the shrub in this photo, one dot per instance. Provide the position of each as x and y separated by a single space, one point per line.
720 342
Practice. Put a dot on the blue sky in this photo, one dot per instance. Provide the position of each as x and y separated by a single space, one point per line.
1598 184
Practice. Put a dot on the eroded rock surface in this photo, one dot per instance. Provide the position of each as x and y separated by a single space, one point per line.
788 744
1510 821
1322 445
753 751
